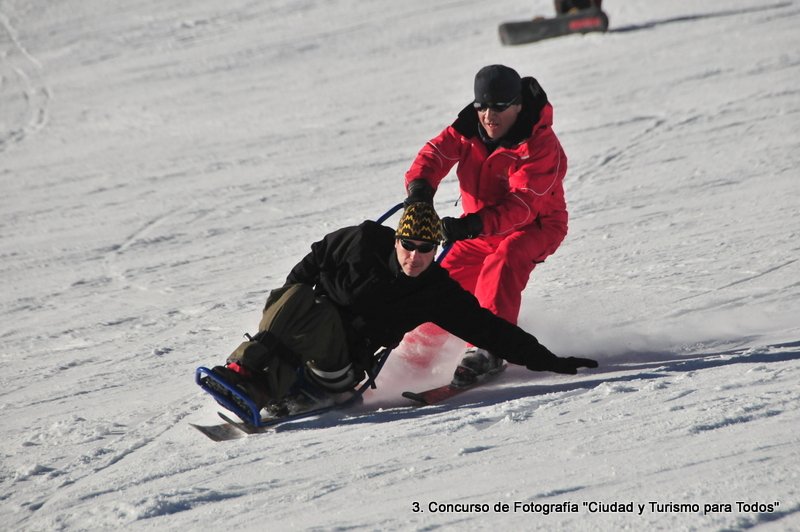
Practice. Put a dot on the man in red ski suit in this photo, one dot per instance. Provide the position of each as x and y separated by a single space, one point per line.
510 168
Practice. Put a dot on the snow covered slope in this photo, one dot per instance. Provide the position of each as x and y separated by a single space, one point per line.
164 164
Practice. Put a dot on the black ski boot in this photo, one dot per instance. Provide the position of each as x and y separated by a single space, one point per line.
476 364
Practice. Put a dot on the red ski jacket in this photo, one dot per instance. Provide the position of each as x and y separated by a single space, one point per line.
514 186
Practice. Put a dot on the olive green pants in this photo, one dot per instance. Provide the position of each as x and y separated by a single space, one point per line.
301 331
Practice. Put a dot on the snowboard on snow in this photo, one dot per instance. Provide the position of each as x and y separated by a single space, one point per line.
584 21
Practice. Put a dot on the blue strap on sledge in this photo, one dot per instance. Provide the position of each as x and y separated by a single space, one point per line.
234 399
228 395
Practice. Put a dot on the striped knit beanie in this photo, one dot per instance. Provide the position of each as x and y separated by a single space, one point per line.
420 222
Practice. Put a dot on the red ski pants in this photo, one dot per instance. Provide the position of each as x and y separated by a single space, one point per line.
496 269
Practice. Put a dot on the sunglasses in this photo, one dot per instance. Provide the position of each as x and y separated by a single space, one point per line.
425 247
496 107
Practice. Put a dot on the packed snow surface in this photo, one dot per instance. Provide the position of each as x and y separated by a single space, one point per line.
164 164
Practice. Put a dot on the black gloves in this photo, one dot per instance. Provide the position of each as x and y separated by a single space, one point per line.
454 229
570 365
419 191
470 226
544 360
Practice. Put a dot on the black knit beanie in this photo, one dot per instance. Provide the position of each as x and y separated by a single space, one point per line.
497 84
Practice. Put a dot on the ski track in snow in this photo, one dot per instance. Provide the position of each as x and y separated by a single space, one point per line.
23 90
163 167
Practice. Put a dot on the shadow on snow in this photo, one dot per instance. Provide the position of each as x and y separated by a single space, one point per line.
654 366
700 16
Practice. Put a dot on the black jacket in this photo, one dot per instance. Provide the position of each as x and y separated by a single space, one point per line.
357 269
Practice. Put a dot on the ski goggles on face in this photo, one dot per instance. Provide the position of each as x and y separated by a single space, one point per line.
425 247
496 107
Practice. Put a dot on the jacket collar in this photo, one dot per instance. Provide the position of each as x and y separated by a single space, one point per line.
394 265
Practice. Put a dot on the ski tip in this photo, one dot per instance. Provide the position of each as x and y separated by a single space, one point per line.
218 433
415 397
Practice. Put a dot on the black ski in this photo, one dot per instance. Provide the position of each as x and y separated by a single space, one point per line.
221 432
233 429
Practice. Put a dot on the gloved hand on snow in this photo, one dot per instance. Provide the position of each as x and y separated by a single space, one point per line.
570 365
544 360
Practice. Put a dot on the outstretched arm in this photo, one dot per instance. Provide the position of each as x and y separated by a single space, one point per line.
463 316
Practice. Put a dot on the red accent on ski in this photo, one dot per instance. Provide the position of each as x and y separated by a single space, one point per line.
585 24
442 393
